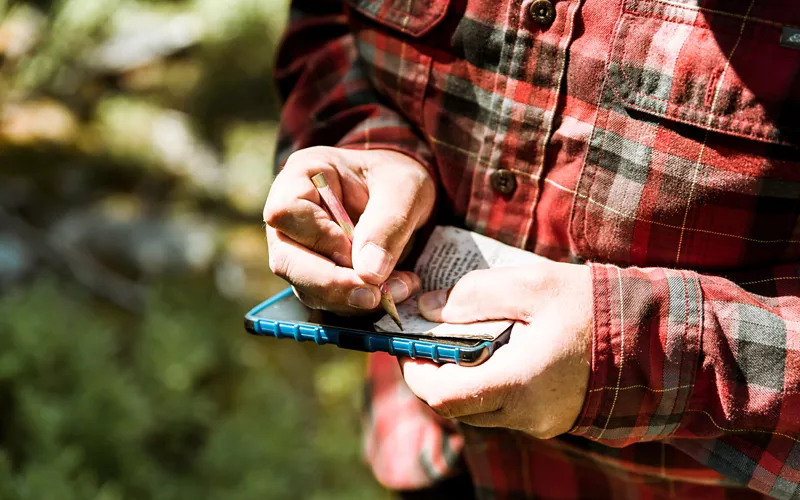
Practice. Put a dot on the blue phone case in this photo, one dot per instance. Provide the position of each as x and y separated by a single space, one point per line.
360 340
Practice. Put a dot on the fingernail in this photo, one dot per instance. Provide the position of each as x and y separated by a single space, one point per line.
375 259
362 298
432 301
398 289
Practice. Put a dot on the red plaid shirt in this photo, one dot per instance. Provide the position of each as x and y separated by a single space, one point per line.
656 140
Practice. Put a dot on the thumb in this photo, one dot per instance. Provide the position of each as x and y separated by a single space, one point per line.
400 201
490 294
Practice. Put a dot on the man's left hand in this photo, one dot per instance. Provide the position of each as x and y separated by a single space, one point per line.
537 382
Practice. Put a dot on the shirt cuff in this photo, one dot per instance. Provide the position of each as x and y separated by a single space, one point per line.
647 329
388 132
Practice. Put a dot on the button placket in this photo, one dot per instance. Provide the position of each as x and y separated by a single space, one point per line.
544 10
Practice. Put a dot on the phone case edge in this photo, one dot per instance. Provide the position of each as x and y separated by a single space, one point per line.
372 342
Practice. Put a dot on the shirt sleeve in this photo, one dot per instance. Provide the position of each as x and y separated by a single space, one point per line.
709 364
328 99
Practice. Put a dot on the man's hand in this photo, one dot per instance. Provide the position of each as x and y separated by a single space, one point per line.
537 382
387 194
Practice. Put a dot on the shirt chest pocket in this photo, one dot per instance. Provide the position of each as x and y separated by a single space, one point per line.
694 159
389 38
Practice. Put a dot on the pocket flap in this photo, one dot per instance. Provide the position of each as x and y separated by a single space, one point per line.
711 70
412 17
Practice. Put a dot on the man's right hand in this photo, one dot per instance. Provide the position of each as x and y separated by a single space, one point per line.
387 194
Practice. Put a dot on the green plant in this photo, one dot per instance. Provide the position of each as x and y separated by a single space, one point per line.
177 404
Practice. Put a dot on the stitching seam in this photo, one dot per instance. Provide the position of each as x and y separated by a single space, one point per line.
427 21
723 13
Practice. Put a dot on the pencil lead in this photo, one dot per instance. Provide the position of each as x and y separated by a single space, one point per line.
388 305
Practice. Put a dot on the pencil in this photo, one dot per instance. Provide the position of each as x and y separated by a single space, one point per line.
339 214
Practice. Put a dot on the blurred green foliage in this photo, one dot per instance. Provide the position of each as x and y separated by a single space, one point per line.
136 138
175 405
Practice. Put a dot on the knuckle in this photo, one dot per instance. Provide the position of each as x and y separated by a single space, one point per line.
528 290
304 158
531 285
276 207
267 211
296 159
526 314
279 264
270 214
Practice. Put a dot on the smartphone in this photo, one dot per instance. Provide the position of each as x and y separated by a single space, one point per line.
285 317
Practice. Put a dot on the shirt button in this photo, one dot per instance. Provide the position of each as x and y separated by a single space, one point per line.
503 181
542 12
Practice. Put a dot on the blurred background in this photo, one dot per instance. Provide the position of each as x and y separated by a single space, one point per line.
136 141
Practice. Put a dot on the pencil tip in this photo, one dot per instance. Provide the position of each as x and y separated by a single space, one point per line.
392 311
388 305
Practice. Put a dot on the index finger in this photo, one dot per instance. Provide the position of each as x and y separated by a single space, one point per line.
330 286
294 208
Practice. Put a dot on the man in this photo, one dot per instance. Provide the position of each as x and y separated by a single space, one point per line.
649 148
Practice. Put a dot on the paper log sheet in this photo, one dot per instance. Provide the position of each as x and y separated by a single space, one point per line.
450 254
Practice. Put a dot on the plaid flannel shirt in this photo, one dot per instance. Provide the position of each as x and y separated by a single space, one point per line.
655 140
